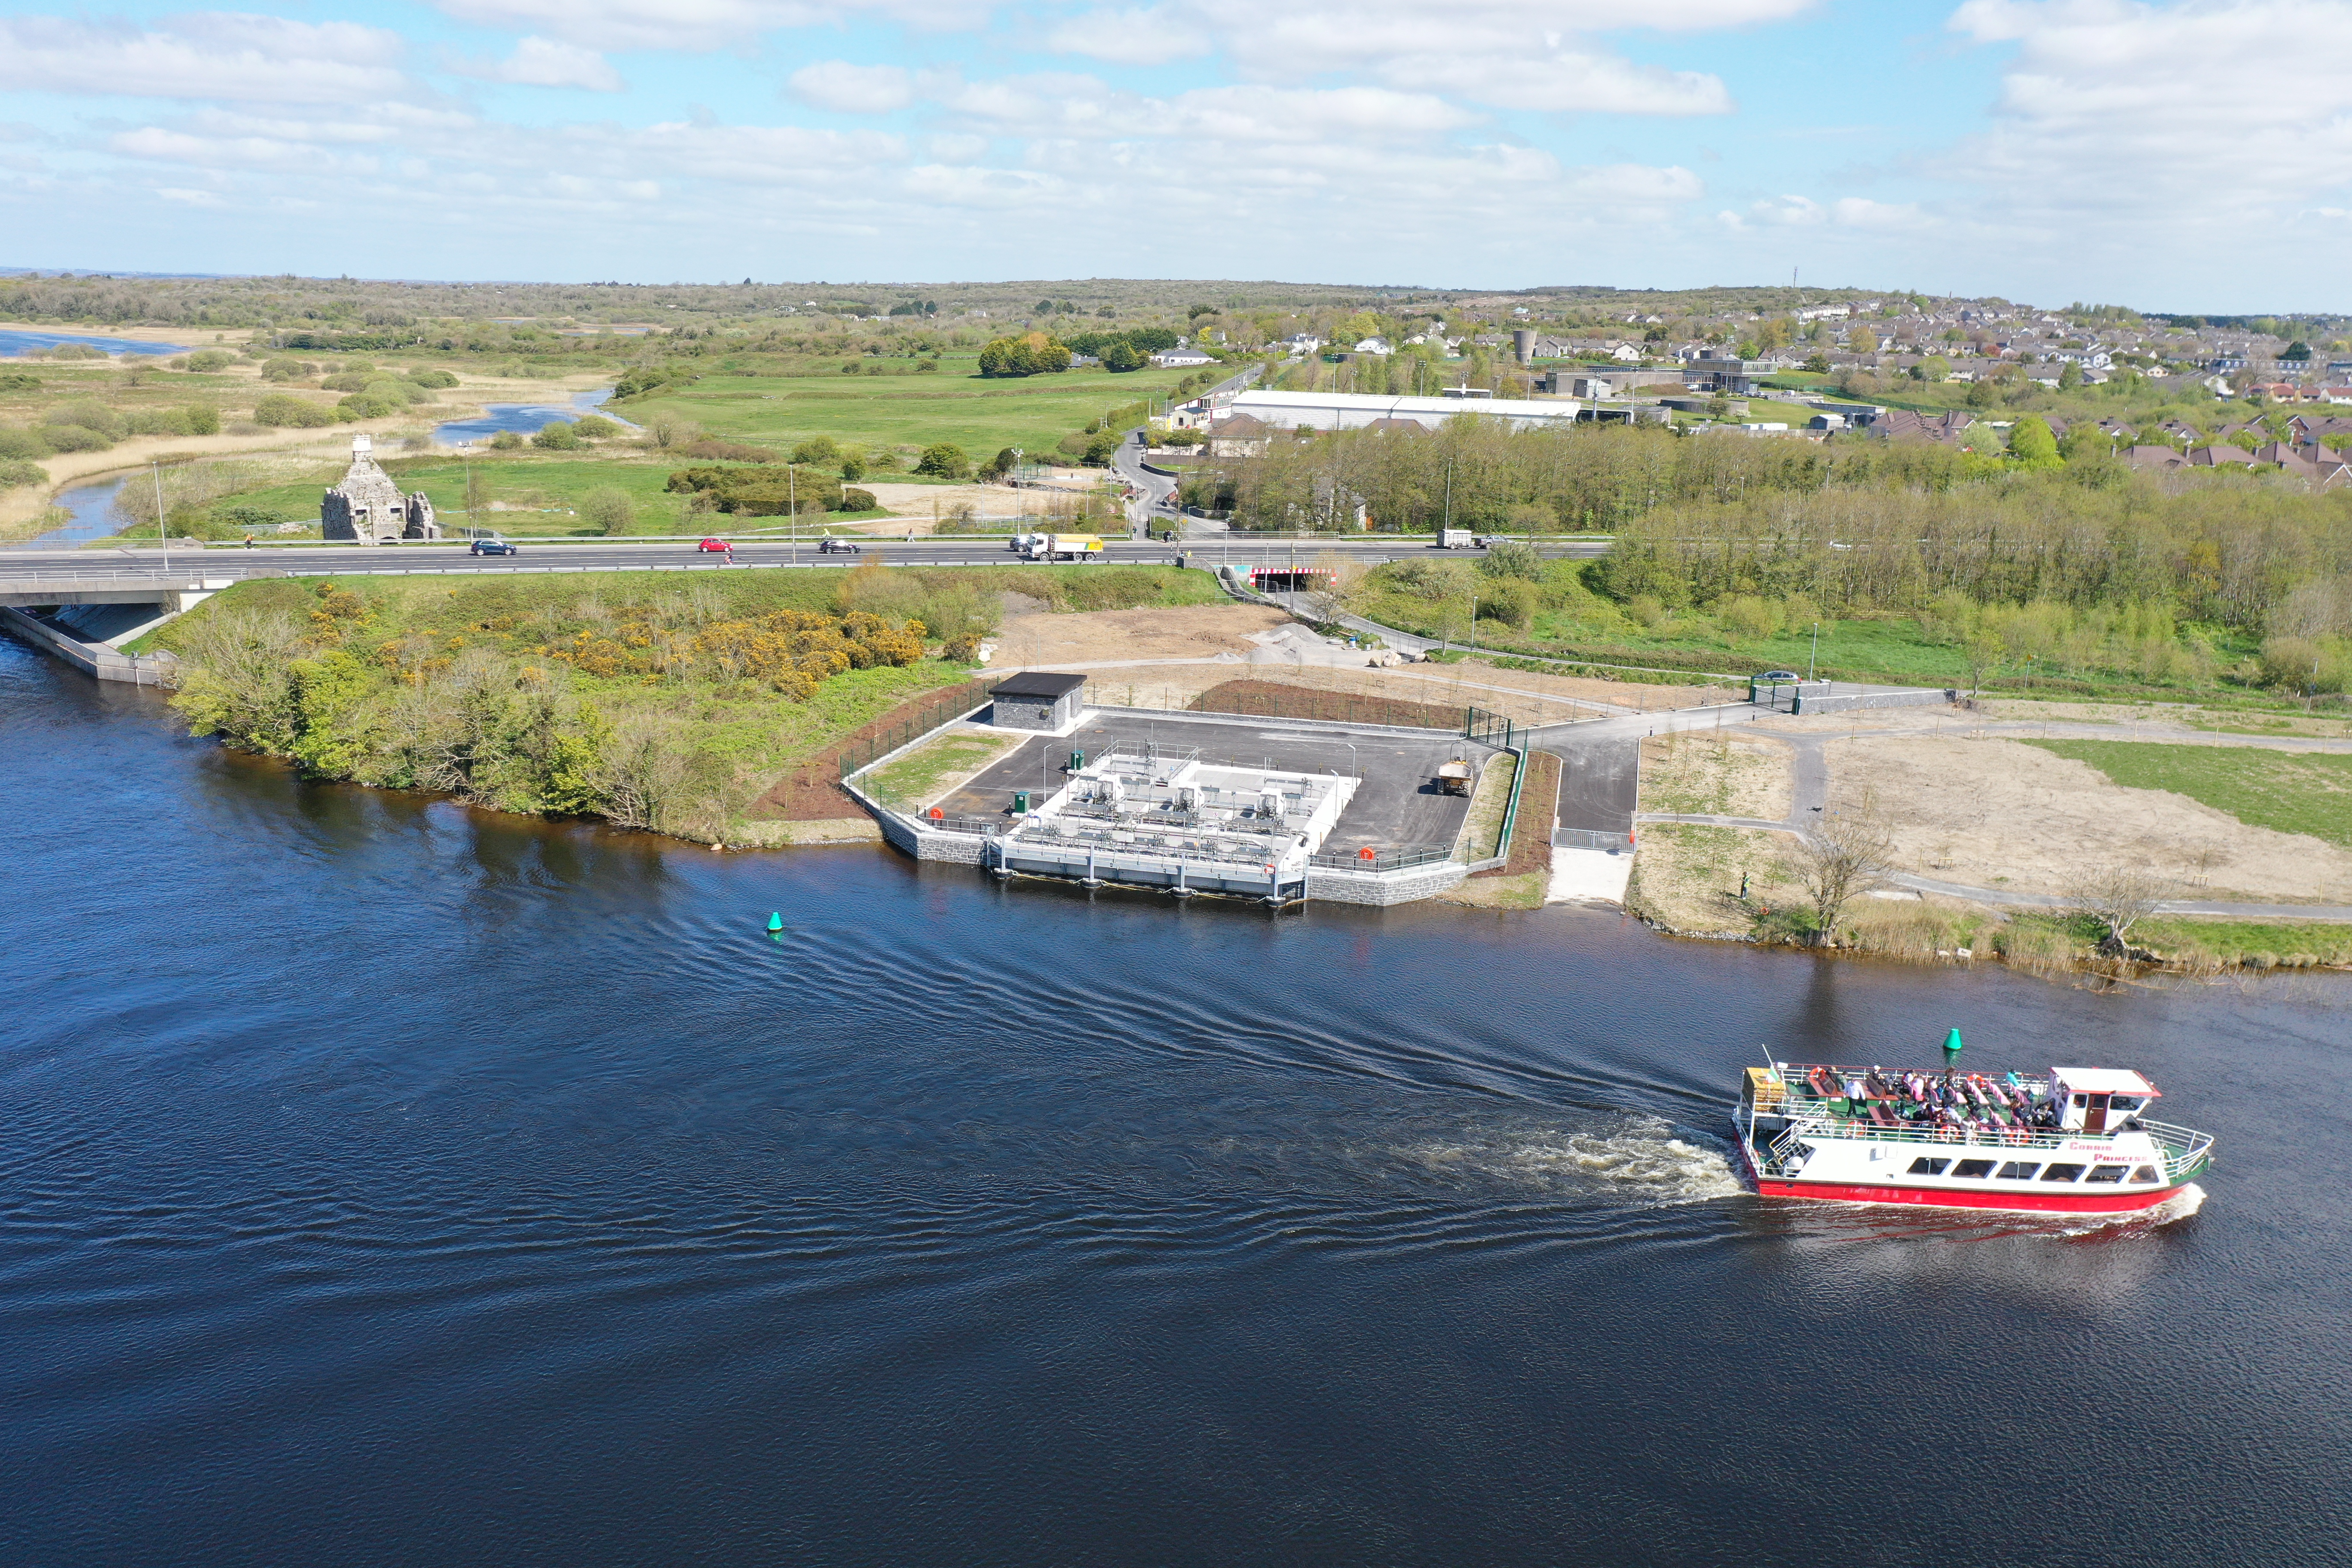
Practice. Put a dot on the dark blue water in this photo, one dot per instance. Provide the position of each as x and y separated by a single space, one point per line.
388 1184
90 509
523 417
18 342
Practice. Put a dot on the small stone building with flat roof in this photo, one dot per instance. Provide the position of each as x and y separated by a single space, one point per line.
1037 699
367 505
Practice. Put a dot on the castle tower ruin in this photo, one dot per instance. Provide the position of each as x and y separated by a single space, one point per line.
368 506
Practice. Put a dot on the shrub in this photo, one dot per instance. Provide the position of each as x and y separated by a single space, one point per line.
556 436
944 460
202 419
287 369
594 427
157 422
283 410
364 406
505 440
1033 354
817 449
14 471
853 468
439 380
710 450
858 500
1511 600
1099 448
88 416
1509 557
16 381
74 438
1746 615
607 510
19 445
347 381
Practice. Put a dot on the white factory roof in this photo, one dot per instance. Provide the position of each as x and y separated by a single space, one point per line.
1354 408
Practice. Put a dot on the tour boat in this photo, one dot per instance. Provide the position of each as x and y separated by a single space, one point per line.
2077 1141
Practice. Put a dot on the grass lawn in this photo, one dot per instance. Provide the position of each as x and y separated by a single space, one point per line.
541 494
2292 792
956 404
916 776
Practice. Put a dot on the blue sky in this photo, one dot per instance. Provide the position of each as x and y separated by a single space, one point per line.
2168 153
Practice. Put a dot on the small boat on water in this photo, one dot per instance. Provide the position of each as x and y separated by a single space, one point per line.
2076 1141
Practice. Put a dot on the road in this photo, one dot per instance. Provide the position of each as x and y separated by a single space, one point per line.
35 564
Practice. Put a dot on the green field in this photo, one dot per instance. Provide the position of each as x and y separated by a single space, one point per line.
955 404
2293 792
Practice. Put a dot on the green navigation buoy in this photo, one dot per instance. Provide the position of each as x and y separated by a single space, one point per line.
1952 1051
776 923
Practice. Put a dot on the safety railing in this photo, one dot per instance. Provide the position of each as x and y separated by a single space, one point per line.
1403 858
1589 839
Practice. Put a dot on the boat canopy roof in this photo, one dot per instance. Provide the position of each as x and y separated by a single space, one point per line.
2103 1081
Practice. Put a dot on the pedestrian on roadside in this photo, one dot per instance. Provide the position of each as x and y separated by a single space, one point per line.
248 542
730 552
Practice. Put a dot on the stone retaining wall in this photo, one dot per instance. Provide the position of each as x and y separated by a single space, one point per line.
1383 888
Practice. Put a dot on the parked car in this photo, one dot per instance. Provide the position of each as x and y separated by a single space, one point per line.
714 547
1779 675
829 545
490 547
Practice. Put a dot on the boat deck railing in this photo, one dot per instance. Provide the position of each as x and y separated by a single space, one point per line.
2182 1148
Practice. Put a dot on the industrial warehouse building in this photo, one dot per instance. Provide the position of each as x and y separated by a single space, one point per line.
1357 410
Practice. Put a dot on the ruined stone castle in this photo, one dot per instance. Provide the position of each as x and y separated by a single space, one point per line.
367 506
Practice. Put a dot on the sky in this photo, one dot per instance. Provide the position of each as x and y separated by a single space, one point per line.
2169 154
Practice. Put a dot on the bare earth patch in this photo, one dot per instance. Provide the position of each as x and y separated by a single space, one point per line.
2000 813
1102 637
1695 773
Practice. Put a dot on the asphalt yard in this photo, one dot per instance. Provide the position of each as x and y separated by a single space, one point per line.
1397 804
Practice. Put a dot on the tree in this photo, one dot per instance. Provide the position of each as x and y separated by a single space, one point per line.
1817 364
1841 859
555 435
2069 377
1935 367
2030 441
944 460
1862 341
1004 463
608 510
2118 898
594 427
1120 355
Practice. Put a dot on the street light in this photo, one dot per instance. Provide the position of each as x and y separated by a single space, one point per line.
163 531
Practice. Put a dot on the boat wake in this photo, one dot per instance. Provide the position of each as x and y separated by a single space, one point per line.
1645 1159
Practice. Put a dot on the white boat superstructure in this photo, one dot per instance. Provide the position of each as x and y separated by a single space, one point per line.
2078 1140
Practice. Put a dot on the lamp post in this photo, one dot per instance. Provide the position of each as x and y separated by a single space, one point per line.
163 530
1813 658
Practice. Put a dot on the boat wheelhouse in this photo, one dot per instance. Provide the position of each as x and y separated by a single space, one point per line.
2077 1141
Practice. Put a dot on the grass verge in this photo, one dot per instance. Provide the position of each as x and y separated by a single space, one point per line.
2291 792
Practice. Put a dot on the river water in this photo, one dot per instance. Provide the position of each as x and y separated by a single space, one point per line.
391 1183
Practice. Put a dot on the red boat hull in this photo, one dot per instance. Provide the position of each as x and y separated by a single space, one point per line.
1947 1198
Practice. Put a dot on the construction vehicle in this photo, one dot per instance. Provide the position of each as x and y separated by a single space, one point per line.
1066 547
1454 777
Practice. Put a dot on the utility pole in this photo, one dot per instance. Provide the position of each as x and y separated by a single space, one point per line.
1813 658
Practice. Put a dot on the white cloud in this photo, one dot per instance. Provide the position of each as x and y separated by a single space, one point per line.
1860 212
544 62
215 55
847 89
188 197
1511 54
698 25
2128 118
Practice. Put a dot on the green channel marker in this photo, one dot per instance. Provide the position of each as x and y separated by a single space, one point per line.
776 920
1951 1051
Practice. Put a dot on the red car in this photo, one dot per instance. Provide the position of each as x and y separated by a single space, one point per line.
714 546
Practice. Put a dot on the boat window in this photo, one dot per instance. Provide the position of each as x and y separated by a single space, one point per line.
2019 1170
1973 1168
2123 1103
2108 1173
2145 1173
2067 1173
1925 1166
2078 1102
